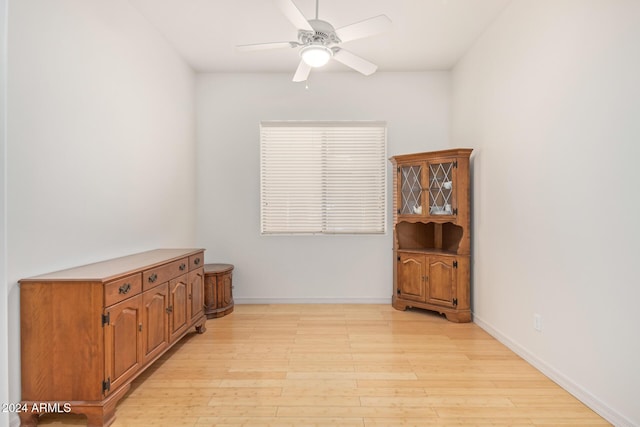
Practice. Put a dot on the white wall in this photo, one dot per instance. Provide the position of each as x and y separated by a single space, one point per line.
549 98
4 326
302 268
101 141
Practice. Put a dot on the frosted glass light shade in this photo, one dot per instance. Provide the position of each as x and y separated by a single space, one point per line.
316 55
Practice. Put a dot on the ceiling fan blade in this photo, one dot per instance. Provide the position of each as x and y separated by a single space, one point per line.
366 28
293 14
354 61
302 73
263 46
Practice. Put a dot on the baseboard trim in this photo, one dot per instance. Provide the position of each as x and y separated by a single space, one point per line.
312 300
558 377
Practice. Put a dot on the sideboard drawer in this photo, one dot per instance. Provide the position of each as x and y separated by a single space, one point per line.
121 289
164 273
196 261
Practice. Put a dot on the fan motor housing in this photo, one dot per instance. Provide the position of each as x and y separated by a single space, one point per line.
323 33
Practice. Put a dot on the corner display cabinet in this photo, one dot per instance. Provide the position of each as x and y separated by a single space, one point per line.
431 232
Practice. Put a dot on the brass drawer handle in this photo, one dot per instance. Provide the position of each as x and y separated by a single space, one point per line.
182 267
124 288
196 261
153 278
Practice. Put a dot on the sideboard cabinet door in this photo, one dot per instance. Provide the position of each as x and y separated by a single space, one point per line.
123 348
196 292
179 307
155 321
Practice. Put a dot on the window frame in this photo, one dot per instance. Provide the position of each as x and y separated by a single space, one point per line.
339 139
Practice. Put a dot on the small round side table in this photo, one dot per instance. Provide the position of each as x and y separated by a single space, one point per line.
218 290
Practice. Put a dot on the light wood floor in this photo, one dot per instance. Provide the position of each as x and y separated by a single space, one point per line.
342 365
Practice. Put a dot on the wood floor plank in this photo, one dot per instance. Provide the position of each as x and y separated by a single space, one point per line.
450 422
278 422
341 365
356 411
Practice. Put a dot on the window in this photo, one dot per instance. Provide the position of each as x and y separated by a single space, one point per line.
323 177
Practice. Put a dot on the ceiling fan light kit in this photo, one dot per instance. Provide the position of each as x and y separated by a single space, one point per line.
318 41
316 55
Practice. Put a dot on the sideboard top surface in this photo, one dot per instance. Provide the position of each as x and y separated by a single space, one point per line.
114 268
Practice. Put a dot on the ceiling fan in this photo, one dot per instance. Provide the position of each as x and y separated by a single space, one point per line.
319 41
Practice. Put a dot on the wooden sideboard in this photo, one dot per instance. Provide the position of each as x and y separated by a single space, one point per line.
87 332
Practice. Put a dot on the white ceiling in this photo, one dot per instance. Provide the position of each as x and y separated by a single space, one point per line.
425 34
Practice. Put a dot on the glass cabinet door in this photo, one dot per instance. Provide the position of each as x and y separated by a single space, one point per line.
411 190
441 187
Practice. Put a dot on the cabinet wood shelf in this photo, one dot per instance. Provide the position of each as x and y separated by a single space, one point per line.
431 232
87 332
430 235
426 251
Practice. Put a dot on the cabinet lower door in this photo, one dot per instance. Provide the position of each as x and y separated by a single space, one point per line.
155 321
411 276
179 307
442 281
122 344
196 293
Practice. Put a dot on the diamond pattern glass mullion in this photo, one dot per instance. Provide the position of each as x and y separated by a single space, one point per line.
440 188
411 190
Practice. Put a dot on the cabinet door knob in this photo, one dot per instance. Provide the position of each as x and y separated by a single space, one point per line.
182 267
196 261
153 278
124 288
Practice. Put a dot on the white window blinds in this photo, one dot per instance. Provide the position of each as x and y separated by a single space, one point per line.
322 177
